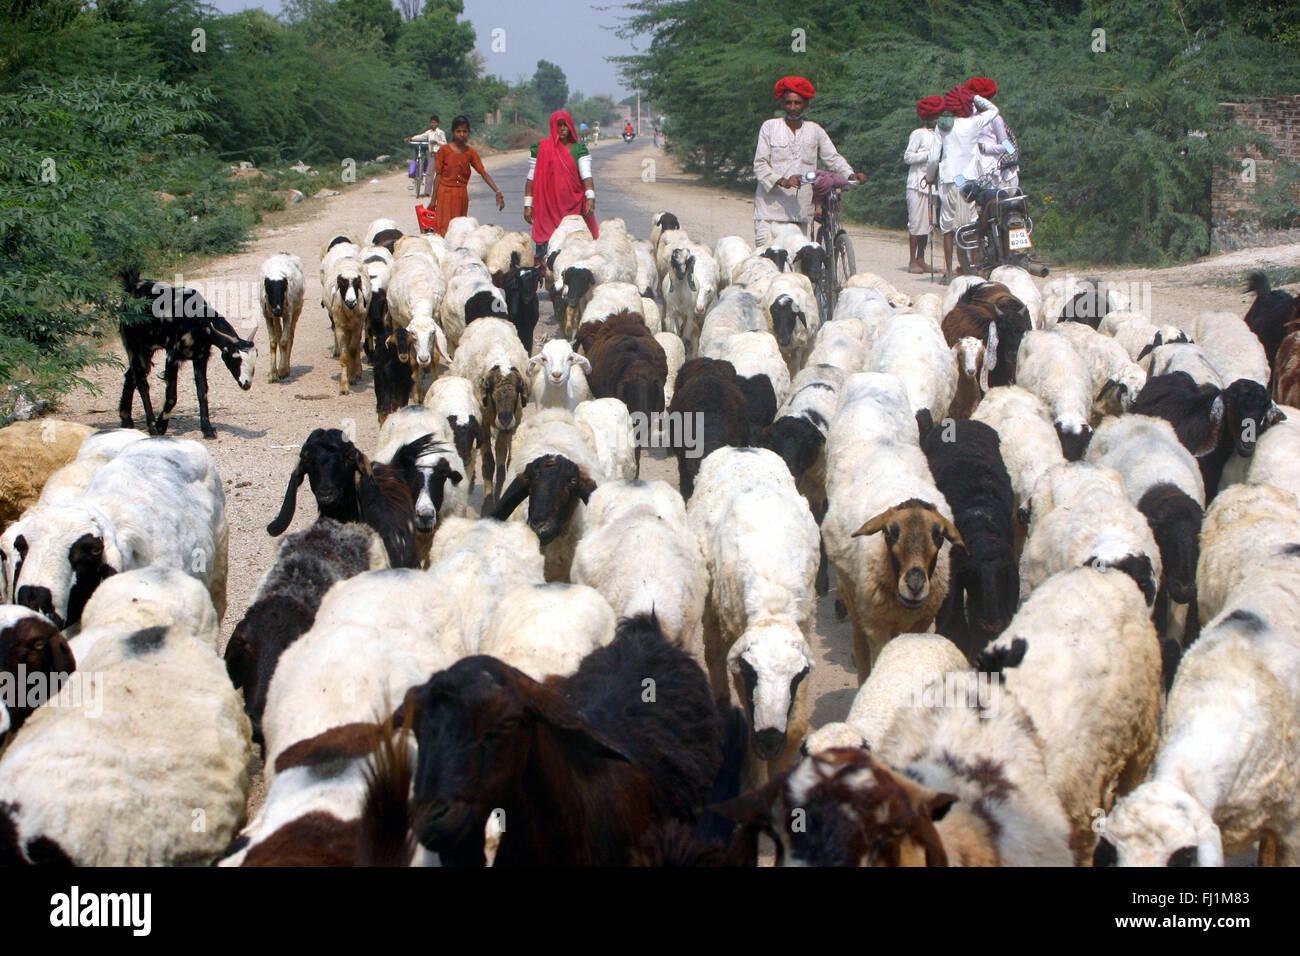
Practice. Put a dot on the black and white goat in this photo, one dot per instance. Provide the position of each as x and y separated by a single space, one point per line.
181 322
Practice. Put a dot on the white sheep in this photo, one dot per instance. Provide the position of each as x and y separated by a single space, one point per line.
480 560
547 629
145 741
912 346
839 343
1276 460
459 229
375 636
513 250
754 353
415 294
159 501
1080 514
570 229
611 427
1089 679
281 298
470 297
759 542
455 400
96 450
328 261
690 287
675 354
147 597
898 678
792 316
1227 768
652 314
610 298
553 433
1022 287
730 252
869 280
1134 332
878 480
737 310
754 273
1049 365
664 573
929 303
380 225
492 357
1029 444
868 307
1232 346
815 397
1108 365
559 376
668 241
647 276
1247 529
1146 452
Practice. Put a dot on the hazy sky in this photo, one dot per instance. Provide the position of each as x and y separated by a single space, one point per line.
568 32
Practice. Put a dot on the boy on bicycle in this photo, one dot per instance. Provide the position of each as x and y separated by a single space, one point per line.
434 137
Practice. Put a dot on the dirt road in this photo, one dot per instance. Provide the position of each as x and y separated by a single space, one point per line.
260 430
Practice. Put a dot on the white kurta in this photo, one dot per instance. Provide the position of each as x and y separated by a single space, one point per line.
922 150
960 155
434 137
784 152
992 152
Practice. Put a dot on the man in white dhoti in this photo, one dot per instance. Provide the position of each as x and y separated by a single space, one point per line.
959 132
998 151
922 154
788 148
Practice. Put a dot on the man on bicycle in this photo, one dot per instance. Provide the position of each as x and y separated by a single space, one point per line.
787 148
435 137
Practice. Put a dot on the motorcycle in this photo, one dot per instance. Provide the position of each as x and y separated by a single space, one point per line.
999 236
628 137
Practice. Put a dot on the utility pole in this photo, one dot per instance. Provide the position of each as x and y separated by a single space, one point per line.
638 113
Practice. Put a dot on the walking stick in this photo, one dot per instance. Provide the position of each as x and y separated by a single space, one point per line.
933 195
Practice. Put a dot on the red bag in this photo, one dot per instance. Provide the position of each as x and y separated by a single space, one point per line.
426 217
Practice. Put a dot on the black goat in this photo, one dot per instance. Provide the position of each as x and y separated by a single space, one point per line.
347 487
553 486
1268 314
711 389
1175 519
181 322
777 255
1089 305
394 373
520 286
965 459
378 323
606 764
811 260
307 565
1211 423
796 439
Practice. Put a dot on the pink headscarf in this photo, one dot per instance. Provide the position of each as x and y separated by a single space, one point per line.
557 187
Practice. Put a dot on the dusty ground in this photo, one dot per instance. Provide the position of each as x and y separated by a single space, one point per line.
261 430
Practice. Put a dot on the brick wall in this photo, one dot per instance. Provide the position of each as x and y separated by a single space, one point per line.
1277 118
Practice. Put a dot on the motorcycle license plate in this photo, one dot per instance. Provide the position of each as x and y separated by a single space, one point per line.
1018 239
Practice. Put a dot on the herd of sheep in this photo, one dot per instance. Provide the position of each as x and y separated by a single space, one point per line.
1066 541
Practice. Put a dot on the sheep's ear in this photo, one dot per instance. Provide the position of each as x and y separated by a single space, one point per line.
1149 348
755 807
690 273
949 531
281 521
576 359
586 486
875 524
802 319
984 373
1112 385
554 710
535 361
1215 431
455 476
991 347
1274 416
511 498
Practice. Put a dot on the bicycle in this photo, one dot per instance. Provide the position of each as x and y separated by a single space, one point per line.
420 168
832 237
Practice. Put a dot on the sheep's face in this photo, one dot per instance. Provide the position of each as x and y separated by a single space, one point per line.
275 290
1175 520
1248 412
503 397
480 725
842 807
353 290
577 282
558 358
30 644
969 353
641 393
777 255
553 485
768 665
812 261
326 460
785 313
430 344
1074 436
1158 824
430 487
55 556
914 532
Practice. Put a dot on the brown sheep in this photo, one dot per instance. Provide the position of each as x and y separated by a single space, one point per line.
991 314
29 453
1286 369
627 363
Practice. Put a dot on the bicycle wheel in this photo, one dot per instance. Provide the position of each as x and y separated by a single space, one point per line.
844 264
421 178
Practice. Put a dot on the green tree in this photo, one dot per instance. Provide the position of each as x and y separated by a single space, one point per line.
378 15
438 44
551 86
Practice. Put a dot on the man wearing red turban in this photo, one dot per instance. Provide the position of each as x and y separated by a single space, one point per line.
959 134
922 158
788 148
999 156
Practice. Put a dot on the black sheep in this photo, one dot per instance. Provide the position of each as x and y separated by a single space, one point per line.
347 487
307 565
1212 424
394 373
520 287
1268 314
711 389
984 584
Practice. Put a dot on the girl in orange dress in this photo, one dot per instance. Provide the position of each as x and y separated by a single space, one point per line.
451 176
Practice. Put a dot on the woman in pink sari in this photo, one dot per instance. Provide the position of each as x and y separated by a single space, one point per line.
559 182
